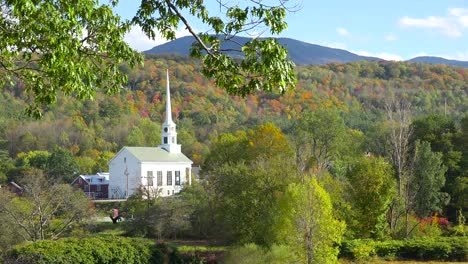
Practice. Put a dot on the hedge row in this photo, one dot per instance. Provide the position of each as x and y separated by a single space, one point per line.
99 249
442 248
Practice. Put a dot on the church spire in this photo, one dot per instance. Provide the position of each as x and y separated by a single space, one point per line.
168 101
169 133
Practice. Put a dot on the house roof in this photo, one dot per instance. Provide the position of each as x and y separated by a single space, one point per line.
101 178
156 154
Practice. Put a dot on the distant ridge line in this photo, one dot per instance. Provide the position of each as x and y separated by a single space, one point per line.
301 53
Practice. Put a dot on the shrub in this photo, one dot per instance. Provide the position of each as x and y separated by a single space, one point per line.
363 252
356 249
441 248
389 250
106 249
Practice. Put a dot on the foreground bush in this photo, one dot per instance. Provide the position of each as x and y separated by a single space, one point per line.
442 248
107 249
99 249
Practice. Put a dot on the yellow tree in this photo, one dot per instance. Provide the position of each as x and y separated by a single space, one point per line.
314 231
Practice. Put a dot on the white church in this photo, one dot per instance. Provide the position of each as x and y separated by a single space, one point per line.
159 171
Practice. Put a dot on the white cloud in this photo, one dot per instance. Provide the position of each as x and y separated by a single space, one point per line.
458 11
445 25
451 25
342 31
139 41
335 45
463 20
461 14
382 55
390 37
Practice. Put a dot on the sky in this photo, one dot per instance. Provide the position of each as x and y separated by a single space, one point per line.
389 29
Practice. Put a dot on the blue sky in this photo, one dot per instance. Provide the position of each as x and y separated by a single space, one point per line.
394 30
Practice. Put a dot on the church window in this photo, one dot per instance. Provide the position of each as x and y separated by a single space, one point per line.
159 179
177 178
149 178
165 129
169 178
168 192
165 140
173 140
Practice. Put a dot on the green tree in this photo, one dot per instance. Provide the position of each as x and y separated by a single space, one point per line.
200 201
85 164
67 47
136 137
102 160
75 48
157 217
37 159
458 187
315 233
264 142
371 188
441 133
444 137
47 209
228 148
317 138
6 164
428 178
61 165
248 200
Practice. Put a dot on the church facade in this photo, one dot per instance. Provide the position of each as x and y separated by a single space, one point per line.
156 171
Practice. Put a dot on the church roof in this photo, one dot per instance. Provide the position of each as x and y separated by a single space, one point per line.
156 154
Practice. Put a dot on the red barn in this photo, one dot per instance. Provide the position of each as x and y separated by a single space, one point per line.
94 186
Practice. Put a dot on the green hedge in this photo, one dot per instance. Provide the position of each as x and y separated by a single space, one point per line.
442 248
107 249
98 250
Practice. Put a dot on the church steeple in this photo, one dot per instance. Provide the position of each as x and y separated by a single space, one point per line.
168 102
169 133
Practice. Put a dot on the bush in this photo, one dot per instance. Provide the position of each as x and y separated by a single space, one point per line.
85 250
357 249
389 250
442 248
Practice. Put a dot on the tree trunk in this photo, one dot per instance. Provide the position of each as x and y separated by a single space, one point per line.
310 249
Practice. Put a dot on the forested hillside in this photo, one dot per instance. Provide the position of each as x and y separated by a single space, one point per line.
91 131
360 150
203 112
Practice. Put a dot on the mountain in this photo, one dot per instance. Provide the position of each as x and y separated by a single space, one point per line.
302 53
439 60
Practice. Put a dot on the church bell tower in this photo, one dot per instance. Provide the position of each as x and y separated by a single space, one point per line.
169 133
